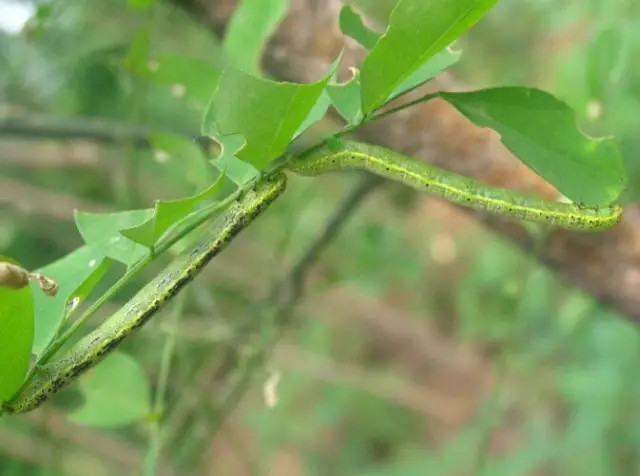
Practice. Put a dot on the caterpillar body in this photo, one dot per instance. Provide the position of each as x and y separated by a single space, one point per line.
458 189
453 187
96 345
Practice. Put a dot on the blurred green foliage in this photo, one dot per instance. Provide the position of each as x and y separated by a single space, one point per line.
563 394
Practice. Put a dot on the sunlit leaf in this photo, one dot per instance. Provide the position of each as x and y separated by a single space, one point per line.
136 59
320 108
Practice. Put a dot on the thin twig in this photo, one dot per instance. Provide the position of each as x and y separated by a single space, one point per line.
406 105
33 127
156 428
297 276
281 298
287 293
369 119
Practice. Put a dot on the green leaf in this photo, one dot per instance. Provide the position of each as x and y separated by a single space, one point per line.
188 77
102 231
238 171
417 31
116 393
76 275
167 214
435 65
351 24
251 25
541 130
604 58
265 112
345 97
16 336
320 108
318 111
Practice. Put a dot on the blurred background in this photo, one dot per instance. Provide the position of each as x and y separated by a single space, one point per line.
424 343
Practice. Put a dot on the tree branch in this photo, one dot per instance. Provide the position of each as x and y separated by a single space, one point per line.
34 127
296 279
275 311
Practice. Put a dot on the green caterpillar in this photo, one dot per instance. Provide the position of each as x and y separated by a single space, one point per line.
464 191
96 345
455 188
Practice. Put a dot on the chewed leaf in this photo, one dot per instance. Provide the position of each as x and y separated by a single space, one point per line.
321 106
76 275
417 31
343 95
167 214
236 170
542 131
351 24
266 113
345 98
102 231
